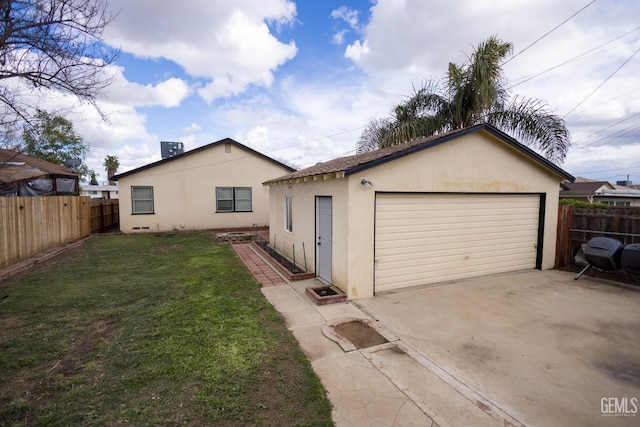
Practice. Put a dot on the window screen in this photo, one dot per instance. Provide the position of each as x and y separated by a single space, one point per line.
224 199
243 199
142 200
233 199
288 218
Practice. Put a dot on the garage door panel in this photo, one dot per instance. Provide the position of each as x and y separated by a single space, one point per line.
480 253
427 238
460 249
507 231
435 241
456 217
451 267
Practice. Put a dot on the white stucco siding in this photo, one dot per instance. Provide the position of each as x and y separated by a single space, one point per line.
184 191
303 198
474 163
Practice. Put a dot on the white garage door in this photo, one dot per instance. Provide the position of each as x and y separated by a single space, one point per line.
429 238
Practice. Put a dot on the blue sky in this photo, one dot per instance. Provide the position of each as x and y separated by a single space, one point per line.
298 80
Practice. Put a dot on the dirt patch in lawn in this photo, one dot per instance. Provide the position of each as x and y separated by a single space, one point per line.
33 386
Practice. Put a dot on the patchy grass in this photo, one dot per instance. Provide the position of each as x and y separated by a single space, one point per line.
147 330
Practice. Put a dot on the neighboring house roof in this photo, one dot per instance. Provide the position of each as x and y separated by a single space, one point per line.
197 150
18 167
359 162
625 192
585 188
89 187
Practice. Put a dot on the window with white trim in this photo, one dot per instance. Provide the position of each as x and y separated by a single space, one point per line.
142 200
288 216
233 199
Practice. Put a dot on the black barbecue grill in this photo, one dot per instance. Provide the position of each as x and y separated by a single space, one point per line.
603 253
631 259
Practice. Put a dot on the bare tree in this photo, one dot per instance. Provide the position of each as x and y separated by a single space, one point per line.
51 45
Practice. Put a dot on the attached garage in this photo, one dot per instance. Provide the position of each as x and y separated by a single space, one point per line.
457 205
429 238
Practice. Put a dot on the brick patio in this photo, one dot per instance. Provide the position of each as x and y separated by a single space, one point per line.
264 273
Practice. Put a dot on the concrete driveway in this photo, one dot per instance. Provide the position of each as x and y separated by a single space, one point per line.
544 348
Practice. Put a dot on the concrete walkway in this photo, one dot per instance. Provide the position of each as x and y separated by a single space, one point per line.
387 385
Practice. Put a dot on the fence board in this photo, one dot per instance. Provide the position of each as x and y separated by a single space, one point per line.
577 226
30 225
105 215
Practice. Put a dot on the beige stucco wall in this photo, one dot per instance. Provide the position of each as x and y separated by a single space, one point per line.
475 163
184 191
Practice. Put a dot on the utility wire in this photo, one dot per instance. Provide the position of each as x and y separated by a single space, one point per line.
603 129
549 32
600 85
575 58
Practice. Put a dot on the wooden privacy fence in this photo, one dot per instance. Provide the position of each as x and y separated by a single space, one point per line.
578 225
30 225
105 215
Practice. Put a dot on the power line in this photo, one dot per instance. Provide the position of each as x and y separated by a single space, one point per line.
549 32
603 129
624 95
605 80
575 58
316 139
618 134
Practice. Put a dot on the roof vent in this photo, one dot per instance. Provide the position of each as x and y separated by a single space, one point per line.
171 149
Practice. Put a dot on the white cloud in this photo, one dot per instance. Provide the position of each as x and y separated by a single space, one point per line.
338 38
193 127
168 93
233 58
348 15
229 44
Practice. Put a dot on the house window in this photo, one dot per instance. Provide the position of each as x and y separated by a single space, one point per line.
617 203
288 217
142 200
233 199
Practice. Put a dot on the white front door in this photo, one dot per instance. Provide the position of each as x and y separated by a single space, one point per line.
323 238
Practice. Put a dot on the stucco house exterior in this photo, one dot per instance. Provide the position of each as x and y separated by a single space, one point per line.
216 186
104 192
601 192
460 204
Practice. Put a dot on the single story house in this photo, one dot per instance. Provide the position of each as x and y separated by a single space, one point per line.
456 205
23 175
600 192
104 192
216 186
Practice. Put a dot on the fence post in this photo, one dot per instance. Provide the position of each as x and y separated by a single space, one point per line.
563 238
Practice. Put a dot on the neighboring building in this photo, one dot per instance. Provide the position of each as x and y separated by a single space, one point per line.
23 175
215 186
460 204
105 192
601 192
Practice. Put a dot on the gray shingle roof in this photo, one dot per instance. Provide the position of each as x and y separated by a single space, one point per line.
356 163
197 150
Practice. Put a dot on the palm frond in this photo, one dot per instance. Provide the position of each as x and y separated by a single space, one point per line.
474 92
531 121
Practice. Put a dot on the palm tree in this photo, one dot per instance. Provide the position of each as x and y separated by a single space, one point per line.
472 93
111 165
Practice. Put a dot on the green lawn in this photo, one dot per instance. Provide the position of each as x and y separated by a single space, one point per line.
149 330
